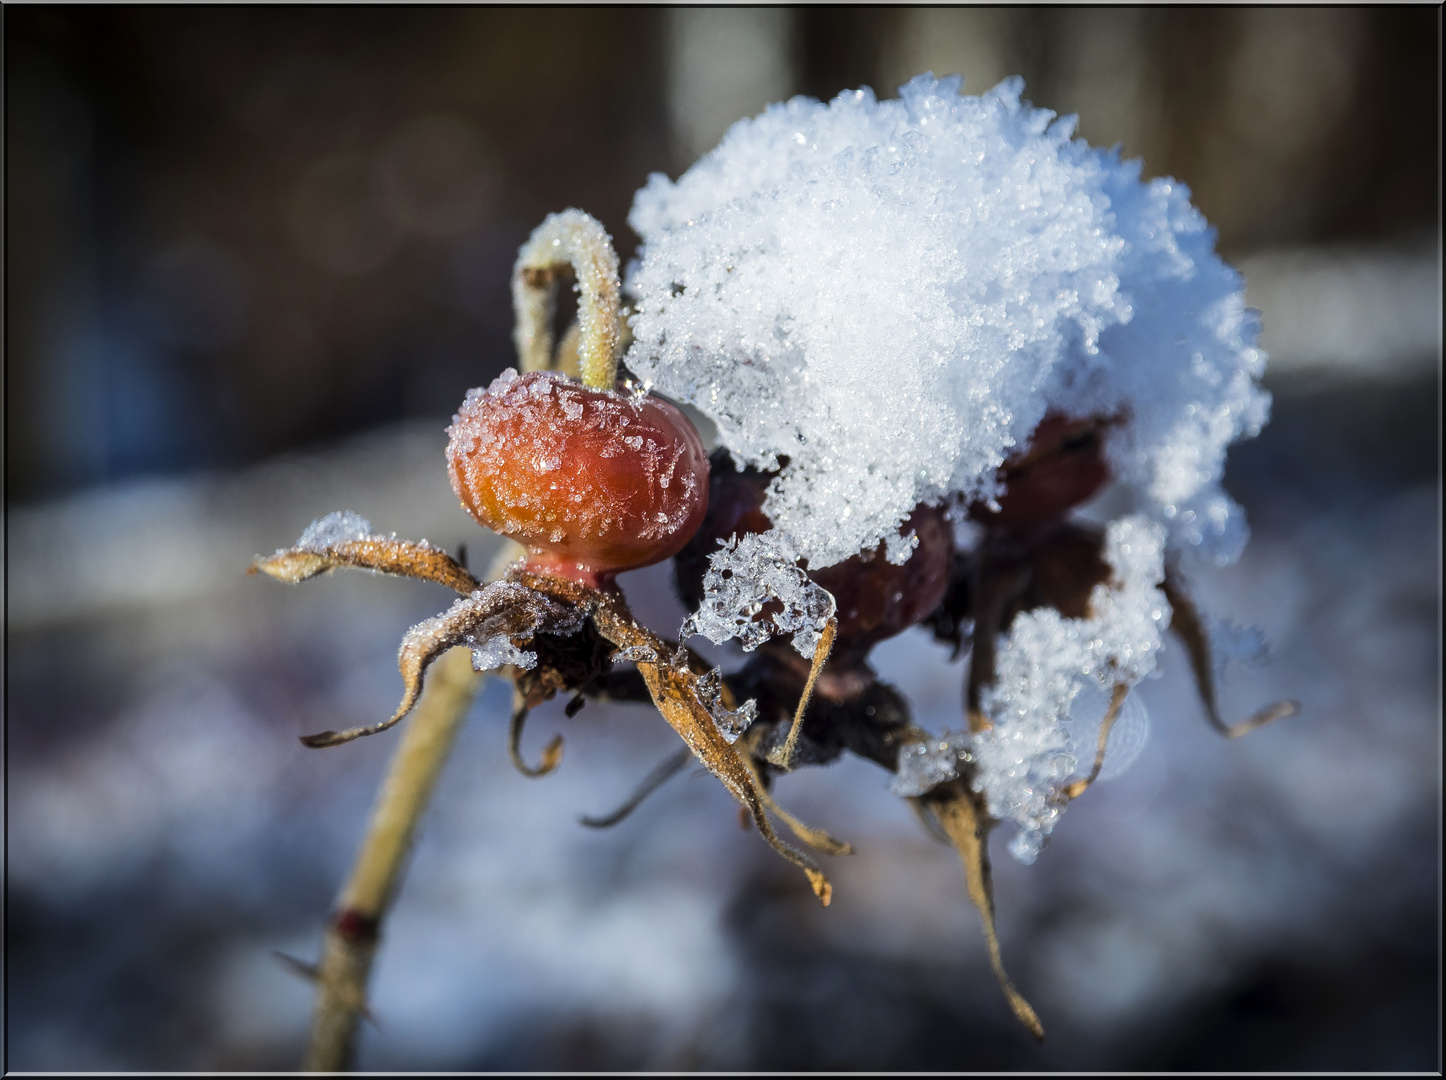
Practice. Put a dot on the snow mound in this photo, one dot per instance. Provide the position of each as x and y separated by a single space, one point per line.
885 298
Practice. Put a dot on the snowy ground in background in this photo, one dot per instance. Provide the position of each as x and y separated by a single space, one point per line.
1266 903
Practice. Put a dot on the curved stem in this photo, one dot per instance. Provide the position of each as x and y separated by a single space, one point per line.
664 771
576 241
551 754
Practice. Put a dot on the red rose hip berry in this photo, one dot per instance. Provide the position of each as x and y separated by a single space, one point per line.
1063 467
876 599
592 482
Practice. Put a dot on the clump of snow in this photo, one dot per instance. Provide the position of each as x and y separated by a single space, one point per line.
336 528
730 723
498 651
745 574
1027 754
924 765
892 294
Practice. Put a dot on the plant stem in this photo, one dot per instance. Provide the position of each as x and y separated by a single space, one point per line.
575 241
354 930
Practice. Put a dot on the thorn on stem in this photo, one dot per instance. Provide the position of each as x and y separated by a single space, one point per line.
298 967
311 973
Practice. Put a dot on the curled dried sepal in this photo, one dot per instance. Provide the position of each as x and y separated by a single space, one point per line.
783 756
1079 787
675 690
1186 623
961 814
664 771
551 753
490 622
384 555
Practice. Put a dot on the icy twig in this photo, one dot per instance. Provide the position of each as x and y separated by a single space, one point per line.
664 771
675 689
1079 787
385 555
783 757
961 814
551 753
571 243
1187 624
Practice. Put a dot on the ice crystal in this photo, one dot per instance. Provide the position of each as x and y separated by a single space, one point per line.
335 528
748 573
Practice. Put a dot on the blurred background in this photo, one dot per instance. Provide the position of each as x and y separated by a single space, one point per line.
256 257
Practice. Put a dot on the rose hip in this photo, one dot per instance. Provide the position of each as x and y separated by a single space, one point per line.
875 598
1062 467
592 482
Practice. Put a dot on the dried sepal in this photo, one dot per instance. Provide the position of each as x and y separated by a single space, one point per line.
930 823
961 814
783 756
384 555
675 689
490 622
814 838
1185 621
551 753
675 693
664 771
1079 787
